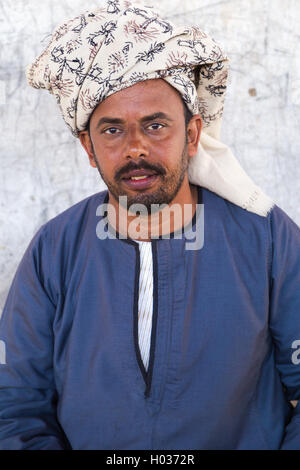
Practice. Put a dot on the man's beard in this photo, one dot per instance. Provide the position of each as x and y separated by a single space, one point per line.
169 186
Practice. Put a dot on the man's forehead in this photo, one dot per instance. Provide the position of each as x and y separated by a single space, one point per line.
145 98
144 90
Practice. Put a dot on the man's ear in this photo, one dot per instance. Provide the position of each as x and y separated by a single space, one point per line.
193 134
86 143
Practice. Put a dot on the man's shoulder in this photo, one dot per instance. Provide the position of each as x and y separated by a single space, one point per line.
227 210
73 220
275 219
80 208
79 212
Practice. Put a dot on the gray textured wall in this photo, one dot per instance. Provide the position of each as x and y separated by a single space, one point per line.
43 168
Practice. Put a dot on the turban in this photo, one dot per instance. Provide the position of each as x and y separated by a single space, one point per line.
121 43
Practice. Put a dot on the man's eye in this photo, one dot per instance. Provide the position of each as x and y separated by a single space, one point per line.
156 126
111 131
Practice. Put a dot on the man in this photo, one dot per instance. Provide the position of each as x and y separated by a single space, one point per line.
117 333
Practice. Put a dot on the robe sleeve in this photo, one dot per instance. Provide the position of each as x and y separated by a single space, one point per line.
285 313
28 397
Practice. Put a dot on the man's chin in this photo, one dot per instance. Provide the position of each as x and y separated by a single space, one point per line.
128 196
147 200
159 193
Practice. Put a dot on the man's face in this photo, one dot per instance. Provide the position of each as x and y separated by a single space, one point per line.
139 143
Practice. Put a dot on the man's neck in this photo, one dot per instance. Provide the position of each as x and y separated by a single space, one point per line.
145 226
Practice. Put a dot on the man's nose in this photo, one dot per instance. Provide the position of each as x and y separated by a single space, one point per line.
136 145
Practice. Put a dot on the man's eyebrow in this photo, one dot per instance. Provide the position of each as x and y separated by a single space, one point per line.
108 120
150 117
154 116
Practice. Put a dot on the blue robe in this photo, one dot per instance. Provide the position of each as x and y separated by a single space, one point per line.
225 346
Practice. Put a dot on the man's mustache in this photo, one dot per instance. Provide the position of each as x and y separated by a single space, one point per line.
143 165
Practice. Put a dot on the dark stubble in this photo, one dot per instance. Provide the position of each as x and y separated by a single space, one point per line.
170 182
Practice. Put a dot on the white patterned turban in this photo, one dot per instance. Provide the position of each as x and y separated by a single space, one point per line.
122 43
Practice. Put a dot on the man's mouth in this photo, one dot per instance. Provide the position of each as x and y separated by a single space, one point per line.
136 175
136 178
140 179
